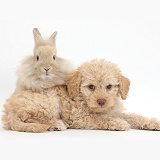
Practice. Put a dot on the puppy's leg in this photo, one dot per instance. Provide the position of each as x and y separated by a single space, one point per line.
116 124
101 123
23 120
12 122
57 125
141 122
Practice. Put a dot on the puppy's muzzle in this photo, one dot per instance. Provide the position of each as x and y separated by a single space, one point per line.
101 102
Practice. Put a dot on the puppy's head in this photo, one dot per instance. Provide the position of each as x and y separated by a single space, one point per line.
100 83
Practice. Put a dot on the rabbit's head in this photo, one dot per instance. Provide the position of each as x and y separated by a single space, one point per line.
45 55
44 69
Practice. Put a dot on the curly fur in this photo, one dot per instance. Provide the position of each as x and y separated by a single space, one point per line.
81 108
29 111
35 107
46 71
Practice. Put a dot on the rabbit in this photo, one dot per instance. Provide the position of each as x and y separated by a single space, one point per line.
44 69
35 105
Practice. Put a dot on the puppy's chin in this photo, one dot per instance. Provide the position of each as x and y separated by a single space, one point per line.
98 109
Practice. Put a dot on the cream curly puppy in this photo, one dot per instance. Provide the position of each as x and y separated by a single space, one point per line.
93 100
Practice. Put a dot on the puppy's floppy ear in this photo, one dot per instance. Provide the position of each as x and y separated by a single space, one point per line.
37 36
124 84
73 84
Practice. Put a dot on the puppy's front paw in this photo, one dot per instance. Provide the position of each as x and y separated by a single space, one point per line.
153 124
118 125
58 126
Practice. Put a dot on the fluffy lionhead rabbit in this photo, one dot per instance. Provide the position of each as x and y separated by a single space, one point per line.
35 106
44 69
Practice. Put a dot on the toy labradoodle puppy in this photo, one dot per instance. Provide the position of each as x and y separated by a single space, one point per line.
93 99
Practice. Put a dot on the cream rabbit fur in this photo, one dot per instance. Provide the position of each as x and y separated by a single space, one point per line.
44 69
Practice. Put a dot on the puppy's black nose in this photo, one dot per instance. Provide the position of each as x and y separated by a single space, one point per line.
101 102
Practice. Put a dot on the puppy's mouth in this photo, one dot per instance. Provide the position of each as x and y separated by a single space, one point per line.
97 110
100 106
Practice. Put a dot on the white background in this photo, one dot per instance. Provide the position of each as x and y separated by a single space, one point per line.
125 32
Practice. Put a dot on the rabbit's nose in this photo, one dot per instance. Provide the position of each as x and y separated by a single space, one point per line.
46 69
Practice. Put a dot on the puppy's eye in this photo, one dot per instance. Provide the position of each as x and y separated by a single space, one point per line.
109 87
54 57
91 87
37 58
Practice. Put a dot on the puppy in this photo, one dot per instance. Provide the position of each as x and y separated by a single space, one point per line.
93 99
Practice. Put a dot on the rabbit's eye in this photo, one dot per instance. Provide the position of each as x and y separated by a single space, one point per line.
54 57
37 58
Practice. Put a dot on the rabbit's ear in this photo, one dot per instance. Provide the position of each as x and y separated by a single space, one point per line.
52 38
124 84
73 82
37 36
